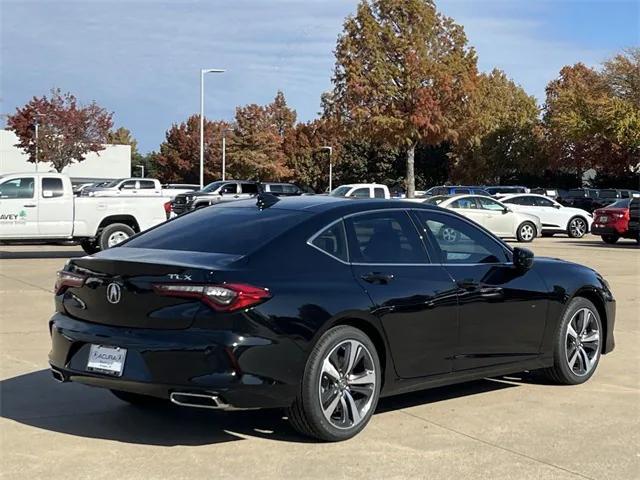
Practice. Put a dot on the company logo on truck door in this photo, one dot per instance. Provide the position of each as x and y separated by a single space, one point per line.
21 216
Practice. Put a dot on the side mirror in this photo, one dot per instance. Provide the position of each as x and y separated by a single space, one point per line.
47 194
505 210
522 258
556 205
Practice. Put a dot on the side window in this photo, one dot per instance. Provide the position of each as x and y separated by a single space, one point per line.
521 201
384 237
52 188
461 190
378 192
17 188
252 188
147 184
543 202
624 194
229 188
272 189
488 204
361 193
464 203
128 185
457 241
332 241
290 189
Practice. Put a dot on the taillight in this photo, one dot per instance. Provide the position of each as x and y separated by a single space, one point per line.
226 297
167 209
66 280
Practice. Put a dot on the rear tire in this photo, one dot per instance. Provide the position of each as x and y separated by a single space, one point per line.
113 234
139 399
340 389
577 227
610 239
577 348
526 232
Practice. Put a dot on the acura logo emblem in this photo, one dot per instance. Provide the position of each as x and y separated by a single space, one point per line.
113 293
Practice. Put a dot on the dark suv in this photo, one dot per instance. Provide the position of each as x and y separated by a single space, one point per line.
584 198
281 189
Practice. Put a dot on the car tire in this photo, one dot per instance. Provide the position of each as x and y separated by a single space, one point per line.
574 359
139 399
449 235
610 239
526 232
89 246
577 227
113 234
350 398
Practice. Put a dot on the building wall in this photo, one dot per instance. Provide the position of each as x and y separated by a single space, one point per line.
112 162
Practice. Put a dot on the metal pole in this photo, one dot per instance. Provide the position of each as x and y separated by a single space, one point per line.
224 155
202 129
36 144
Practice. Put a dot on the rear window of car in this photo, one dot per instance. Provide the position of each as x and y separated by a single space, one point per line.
623 203
232 230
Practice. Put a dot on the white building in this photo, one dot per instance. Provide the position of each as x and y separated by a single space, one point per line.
112 162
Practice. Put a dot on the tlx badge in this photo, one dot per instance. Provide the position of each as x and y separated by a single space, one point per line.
177 276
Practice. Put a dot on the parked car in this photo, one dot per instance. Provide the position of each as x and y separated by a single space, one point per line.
361 190
502 190
582 198
496 217
214 193
281 189
456 190
147 187
555 217
611 223
607 196
42 207
170 190
320 306
552 193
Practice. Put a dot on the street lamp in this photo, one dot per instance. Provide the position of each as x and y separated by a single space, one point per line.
326 147
37 116
202 72
141 167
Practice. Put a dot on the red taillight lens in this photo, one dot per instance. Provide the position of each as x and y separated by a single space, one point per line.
66 280
226 297
167 209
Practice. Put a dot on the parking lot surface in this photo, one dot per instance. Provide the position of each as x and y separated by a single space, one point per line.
516 427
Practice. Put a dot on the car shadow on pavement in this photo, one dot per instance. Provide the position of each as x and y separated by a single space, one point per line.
620 244
36 400
21 255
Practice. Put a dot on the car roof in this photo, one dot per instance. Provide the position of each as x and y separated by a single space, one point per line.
360 185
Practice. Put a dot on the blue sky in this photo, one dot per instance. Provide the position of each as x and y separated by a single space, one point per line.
141 58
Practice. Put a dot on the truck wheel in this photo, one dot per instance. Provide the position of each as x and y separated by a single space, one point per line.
114 234
610 239
89 246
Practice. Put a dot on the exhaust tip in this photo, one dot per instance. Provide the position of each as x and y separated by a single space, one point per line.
57 375
198 400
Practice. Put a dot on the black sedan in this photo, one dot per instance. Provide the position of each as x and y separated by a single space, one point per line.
320 305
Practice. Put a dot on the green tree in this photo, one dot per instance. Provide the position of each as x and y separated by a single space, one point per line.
67 130
403 74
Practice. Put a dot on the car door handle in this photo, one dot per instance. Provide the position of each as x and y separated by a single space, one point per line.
29 205
377 277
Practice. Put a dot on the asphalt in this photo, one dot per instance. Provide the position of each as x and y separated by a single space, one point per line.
508 428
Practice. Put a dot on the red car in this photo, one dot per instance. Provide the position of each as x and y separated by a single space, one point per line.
612 221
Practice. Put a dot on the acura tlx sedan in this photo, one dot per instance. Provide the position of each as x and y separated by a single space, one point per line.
321 306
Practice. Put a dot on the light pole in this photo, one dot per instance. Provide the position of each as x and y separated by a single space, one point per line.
37 116
142 168
202 72
224 152
326 147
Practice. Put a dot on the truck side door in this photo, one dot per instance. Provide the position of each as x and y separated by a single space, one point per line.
18 208
55 208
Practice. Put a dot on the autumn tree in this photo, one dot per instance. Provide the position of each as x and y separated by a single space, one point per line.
403 73
67 130
179 157
500 135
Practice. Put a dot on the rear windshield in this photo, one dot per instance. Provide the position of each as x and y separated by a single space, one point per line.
233 230
622 203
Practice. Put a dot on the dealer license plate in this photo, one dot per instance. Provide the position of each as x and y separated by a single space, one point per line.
109 360
603 218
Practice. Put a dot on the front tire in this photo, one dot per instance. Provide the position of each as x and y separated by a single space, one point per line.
340 387
526 232
577 227
114 234
577 344
610 239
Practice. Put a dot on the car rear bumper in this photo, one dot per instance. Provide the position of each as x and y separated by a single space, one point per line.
608 230
234 368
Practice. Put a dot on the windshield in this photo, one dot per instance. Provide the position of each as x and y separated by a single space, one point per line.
212 187
436 200
232 230
340 191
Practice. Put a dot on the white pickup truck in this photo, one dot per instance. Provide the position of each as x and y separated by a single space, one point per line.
361 190
42 207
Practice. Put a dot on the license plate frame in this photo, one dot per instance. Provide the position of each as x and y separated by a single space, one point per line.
106 359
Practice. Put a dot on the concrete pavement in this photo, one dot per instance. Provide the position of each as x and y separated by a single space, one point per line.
514 427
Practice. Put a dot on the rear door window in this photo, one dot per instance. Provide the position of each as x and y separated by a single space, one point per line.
147 184
361 193
252 188
378 192
239 230
384 238
53 187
